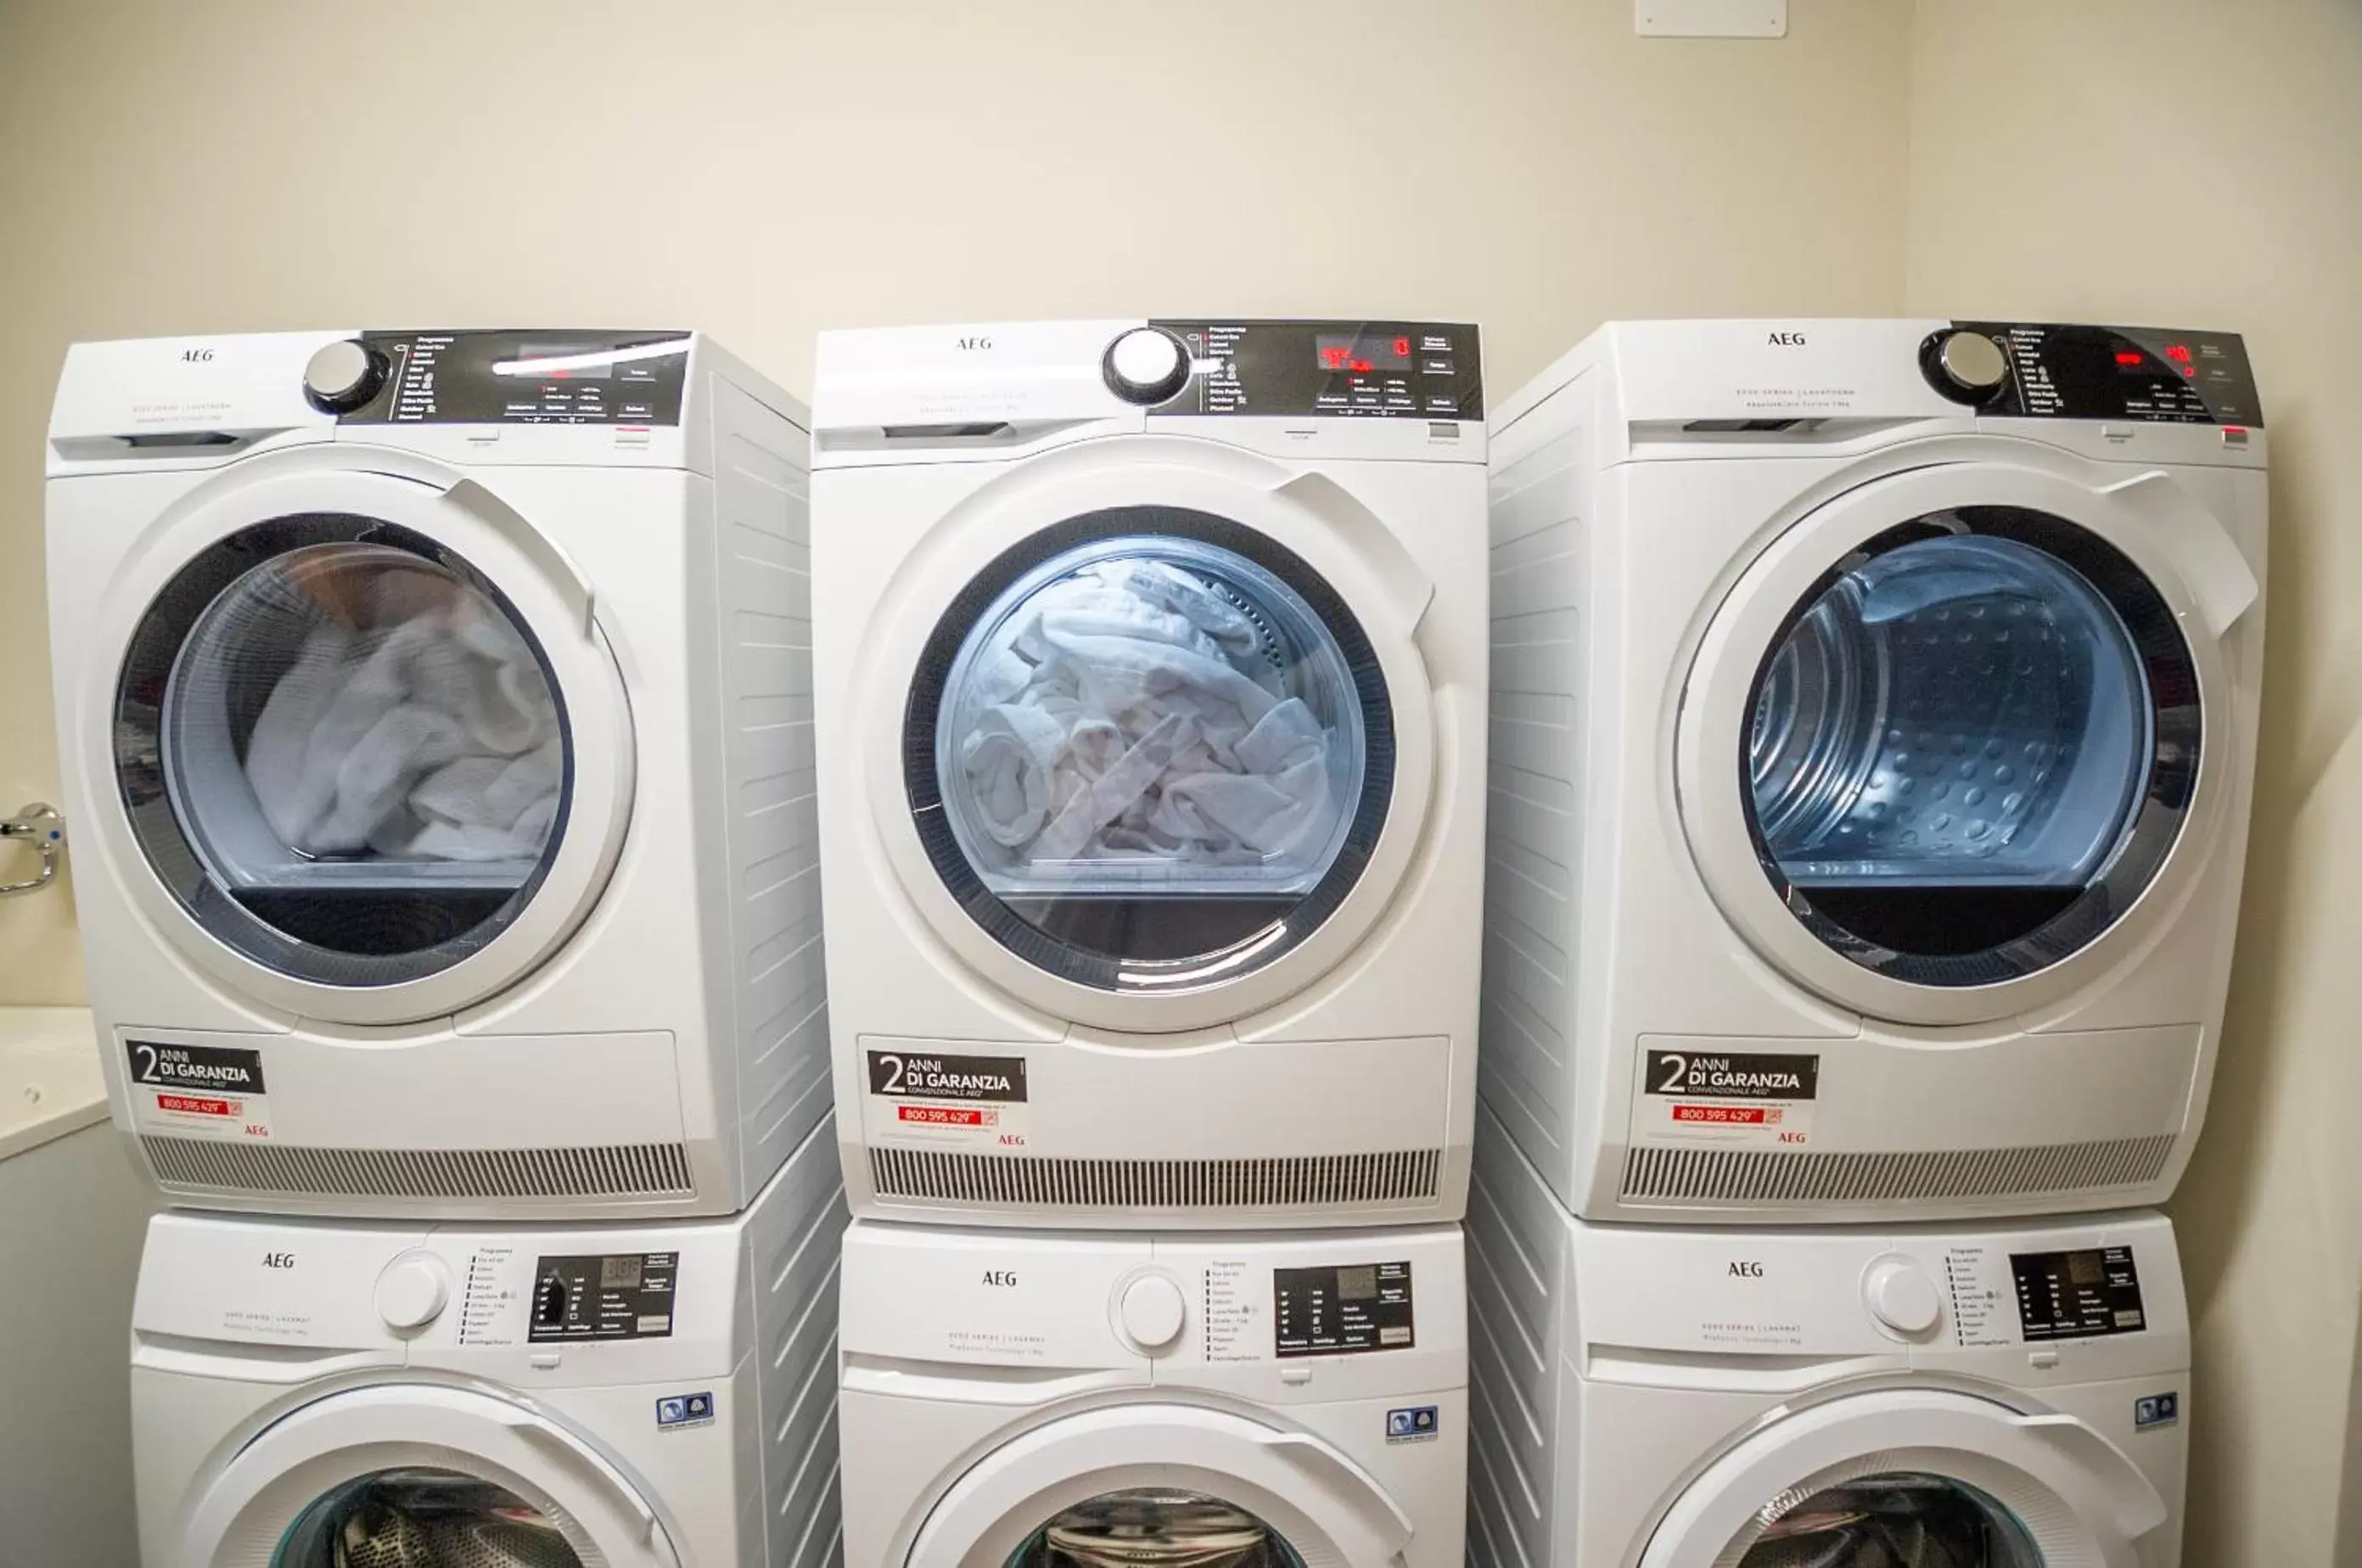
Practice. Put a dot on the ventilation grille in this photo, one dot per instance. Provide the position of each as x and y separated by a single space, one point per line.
1403 1176
626 1170
1777 1177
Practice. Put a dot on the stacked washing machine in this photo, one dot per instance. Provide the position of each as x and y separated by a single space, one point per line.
1873 721
1151 660
435 713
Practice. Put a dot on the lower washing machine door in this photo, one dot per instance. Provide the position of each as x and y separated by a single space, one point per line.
1913 1478
1162 1486
420 1476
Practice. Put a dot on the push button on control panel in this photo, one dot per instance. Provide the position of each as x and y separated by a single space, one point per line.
1153 1311
1901 1296
412 1290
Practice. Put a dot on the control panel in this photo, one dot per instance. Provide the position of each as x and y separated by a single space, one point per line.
2049 371
597 1296
2080 1294
502 377
1389 370
1342 1308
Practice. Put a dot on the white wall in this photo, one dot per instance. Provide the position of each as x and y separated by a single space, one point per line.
759 167
2196 164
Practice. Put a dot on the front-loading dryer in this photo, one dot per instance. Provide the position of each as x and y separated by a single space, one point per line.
435 715
1855 1396
1151 724
1037 1399
316 1394
1874 722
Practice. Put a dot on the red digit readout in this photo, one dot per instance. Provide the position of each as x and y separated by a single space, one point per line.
1336 358
1402 348
2129 357
2178 352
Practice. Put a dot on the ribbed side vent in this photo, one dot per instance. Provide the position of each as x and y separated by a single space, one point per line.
1773 1178
1402 1175
627 1170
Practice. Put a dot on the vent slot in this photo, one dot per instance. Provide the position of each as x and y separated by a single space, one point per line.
625 1170
1402 1175
1781 1178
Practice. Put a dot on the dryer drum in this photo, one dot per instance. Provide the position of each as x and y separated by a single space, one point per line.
1894 1521
424 1518
1150 1527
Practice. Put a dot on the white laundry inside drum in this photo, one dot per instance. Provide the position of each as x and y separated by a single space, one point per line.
364 750
1145 717
424 1518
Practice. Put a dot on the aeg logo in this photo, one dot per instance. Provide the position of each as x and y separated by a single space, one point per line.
1001 1278
1746 1268
1786 340
278 1260
196 356
973 345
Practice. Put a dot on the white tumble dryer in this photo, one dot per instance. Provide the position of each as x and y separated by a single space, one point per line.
1151 725
1860 1396
1033 1399
1874 713
434 711
311 1394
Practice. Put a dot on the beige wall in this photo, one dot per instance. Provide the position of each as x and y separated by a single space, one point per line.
759 167
2193 163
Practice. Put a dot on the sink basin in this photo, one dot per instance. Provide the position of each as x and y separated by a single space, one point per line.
50 1083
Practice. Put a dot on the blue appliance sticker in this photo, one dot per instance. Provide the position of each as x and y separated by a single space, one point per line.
1413 1423
2155 1411
676 1410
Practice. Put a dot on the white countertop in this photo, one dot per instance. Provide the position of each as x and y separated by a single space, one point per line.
50 1083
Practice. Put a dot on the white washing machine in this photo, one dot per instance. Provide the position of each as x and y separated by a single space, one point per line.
1036 1399
1844 1397
1874 713
1152 662
433 710
314 1395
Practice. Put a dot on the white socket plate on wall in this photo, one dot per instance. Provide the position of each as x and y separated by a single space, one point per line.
1711 18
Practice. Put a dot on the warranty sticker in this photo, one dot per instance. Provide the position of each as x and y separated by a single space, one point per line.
928 1097
1727 1097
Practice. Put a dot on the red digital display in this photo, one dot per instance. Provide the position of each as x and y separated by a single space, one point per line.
2178 352
2131 358
1364 353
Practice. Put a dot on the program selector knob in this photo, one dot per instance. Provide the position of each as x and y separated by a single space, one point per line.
1968 366
1147 366
1152 1311
344 375
1900 1295
412 1291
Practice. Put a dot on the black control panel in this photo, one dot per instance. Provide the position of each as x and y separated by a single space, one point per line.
2078 1295
2114 373
526 378
612 1296
1342 1311
1429 371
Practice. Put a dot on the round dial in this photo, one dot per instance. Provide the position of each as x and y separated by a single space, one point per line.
343 376
1901 1297
1152 1311
1147 366
413 1290
1968 366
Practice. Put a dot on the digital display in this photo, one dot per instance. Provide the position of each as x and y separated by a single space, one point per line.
2078 1295
618 1274
1357 1284
599 370
1363 352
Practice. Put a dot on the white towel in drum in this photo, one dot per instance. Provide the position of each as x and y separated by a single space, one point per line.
1135 714
437 739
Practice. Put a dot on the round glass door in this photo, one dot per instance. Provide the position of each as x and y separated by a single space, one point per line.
1906 1520
1149 751
1972 746
423 1518
342 749
1155 1528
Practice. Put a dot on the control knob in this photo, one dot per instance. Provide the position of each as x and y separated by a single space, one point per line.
344 375
1901 1297
412 1290
1147 366
1967 366
1152 1311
